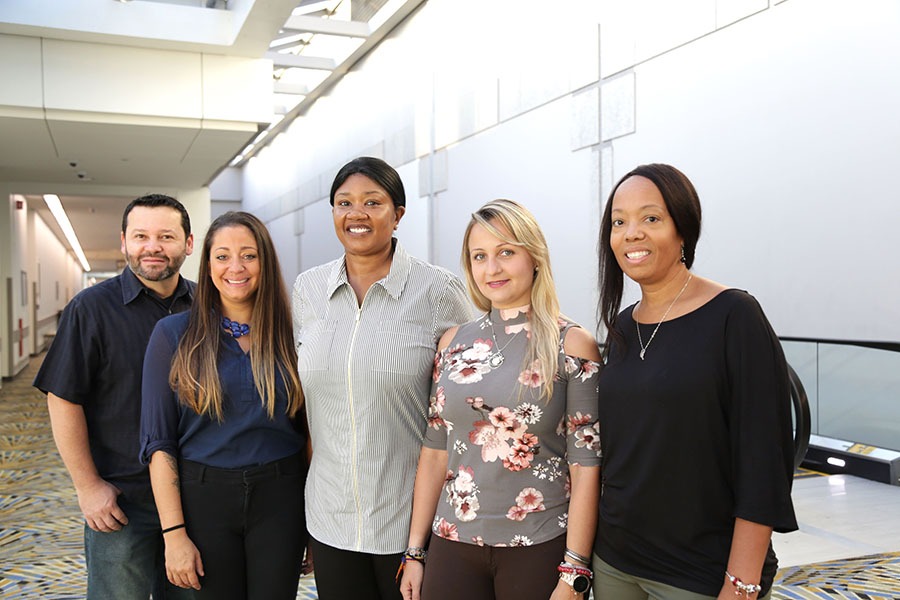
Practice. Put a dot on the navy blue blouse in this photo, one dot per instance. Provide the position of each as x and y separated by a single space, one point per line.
246 437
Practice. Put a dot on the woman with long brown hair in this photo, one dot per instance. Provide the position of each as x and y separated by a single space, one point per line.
222 424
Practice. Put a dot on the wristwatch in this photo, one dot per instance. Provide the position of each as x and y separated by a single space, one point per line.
580 583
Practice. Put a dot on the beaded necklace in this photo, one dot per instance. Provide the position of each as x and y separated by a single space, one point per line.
234 328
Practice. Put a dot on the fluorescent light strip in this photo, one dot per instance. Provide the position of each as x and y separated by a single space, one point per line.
62 220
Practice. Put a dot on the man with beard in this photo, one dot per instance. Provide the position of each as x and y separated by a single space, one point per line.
92 378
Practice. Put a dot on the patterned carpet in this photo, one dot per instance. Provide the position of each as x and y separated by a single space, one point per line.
41 540
40 524
874 577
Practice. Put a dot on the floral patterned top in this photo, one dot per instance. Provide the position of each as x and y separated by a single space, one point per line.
509 449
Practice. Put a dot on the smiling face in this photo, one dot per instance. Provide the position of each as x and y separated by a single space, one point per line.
503 272
644 239
364 217
154 243
234 267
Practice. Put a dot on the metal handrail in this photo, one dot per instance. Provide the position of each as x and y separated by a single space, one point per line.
802 421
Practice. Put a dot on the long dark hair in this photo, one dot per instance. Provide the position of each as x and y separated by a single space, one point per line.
194 374
683 205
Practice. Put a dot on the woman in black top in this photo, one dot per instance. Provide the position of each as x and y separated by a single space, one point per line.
694 412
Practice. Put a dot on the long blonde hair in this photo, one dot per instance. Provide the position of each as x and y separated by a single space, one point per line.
194 374
544 317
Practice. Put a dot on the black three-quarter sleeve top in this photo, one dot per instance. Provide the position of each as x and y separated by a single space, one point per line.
697 434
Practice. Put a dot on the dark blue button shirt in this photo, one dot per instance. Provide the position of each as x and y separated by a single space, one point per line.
95 361
245 437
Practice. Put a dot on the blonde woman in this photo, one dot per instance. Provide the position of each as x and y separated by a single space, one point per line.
508 479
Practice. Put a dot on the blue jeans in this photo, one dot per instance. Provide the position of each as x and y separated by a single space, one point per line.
129 564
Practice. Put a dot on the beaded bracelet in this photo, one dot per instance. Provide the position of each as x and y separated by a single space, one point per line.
567 567
743 588
414 554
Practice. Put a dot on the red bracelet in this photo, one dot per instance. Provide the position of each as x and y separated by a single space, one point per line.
565 567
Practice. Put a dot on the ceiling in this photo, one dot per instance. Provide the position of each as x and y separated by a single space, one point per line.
312 44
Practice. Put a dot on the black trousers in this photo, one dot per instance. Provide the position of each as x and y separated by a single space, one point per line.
457 570
249 526
344 575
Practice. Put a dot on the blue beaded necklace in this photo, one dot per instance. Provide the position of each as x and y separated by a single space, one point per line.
234 328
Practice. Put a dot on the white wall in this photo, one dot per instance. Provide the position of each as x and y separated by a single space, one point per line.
55 265
197 203
16 317
782 113
786 122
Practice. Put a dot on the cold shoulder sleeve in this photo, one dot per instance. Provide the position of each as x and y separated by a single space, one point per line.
759 414
436 434
582 426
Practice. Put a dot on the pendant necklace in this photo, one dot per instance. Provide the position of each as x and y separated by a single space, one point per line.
496 358
665 314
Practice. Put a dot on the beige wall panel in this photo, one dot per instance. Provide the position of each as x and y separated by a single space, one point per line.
117 79
20 62
237 89
14 156
729 11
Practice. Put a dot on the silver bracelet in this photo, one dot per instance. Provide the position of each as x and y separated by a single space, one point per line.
577 557
743 588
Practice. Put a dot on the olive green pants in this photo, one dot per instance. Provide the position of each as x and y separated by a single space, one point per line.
612 584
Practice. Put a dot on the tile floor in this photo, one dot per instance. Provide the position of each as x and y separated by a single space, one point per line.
848 545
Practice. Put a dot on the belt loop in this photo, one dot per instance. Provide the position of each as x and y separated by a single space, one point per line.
202 473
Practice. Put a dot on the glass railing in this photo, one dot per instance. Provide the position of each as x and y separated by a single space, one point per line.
853 389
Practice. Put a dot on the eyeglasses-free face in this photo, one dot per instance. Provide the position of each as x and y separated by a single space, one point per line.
364 216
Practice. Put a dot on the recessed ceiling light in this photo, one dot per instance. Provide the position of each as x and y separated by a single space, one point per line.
62 219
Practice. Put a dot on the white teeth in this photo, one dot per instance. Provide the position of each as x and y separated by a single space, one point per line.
359 229
634 255
233 281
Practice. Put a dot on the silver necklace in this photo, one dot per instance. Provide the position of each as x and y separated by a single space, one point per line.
665 314
496 358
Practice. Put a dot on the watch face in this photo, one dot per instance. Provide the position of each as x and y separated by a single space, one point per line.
581 584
